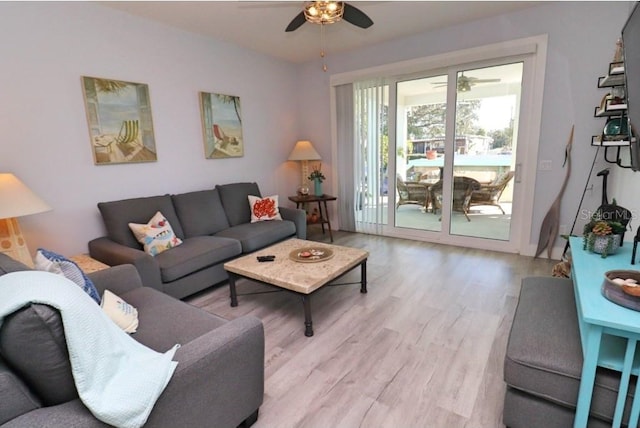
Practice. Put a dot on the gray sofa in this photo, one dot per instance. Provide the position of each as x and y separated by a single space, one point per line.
219 380
543 363
215 226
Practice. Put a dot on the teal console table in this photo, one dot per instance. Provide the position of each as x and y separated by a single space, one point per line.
609 332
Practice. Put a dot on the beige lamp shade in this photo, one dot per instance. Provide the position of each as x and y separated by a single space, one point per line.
16 200
304 151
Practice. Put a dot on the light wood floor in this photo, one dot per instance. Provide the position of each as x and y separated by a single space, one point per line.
424 348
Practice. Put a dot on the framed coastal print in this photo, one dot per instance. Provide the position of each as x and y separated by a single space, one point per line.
221 126
120 124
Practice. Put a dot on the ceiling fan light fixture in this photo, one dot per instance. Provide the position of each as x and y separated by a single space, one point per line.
464 86
323 12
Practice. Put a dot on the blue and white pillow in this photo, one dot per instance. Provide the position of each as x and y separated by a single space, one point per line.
49 261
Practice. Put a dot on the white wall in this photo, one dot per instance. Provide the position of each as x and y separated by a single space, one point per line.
47 46
581 44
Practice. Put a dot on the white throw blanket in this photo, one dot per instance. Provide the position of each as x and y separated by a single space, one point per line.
117 378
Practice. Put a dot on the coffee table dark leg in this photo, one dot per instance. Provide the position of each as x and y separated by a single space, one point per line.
306 302
232 289
363 277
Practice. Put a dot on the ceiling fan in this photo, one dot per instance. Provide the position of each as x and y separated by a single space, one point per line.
466 82
329 12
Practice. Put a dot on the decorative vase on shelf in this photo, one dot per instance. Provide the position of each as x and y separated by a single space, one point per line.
317 186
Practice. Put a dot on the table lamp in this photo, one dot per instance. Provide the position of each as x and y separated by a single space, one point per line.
304 152
17 201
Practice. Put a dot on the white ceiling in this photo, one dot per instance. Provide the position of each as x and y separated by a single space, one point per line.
259 25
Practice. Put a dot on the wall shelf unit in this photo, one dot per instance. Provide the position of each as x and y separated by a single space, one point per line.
613 107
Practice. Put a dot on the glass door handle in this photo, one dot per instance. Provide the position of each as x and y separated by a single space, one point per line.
518 176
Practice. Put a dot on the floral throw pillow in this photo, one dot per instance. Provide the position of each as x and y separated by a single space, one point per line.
156 236
264 208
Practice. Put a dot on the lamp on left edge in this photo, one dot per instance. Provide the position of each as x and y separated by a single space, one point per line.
16 200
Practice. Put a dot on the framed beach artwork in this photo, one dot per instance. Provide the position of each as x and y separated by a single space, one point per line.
120 124
221 126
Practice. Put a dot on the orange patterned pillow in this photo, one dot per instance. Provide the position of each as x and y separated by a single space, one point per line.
264 208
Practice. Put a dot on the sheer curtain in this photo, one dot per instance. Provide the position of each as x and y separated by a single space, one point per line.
371 100
346 156
362 129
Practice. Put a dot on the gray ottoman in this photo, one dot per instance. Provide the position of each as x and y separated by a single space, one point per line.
543 362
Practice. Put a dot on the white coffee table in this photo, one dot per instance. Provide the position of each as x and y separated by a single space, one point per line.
303 277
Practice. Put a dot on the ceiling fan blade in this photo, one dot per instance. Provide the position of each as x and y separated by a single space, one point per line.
296 23
356 17
485 80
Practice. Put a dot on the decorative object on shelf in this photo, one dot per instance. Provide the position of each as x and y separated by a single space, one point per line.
618 56
221 126
17 201
616 128
314 216
304 152
603 236
120 124
551 223
317 177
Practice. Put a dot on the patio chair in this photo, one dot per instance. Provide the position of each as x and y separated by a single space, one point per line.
489 193
412 192
463 187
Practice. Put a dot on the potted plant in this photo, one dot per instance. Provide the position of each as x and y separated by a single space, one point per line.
603 236
317 177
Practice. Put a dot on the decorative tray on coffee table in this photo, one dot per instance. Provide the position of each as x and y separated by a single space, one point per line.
311 254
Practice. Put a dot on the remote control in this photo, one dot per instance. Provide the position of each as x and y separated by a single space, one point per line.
266 258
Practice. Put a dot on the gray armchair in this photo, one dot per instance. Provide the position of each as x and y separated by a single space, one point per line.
219 380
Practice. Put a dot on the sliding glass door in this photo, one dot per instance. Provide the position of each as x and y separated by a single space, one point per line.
455 167
421 106
484 152
447 154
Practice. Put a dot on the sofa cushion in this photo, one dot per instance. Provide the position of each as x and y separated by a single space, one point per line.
254 236
194 254
156 236
235 202
544 352
165 321
15 397
200 213
118 214
32 342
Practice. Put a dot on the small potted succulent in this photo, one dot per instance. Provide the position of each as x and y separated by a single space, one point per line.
603 236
